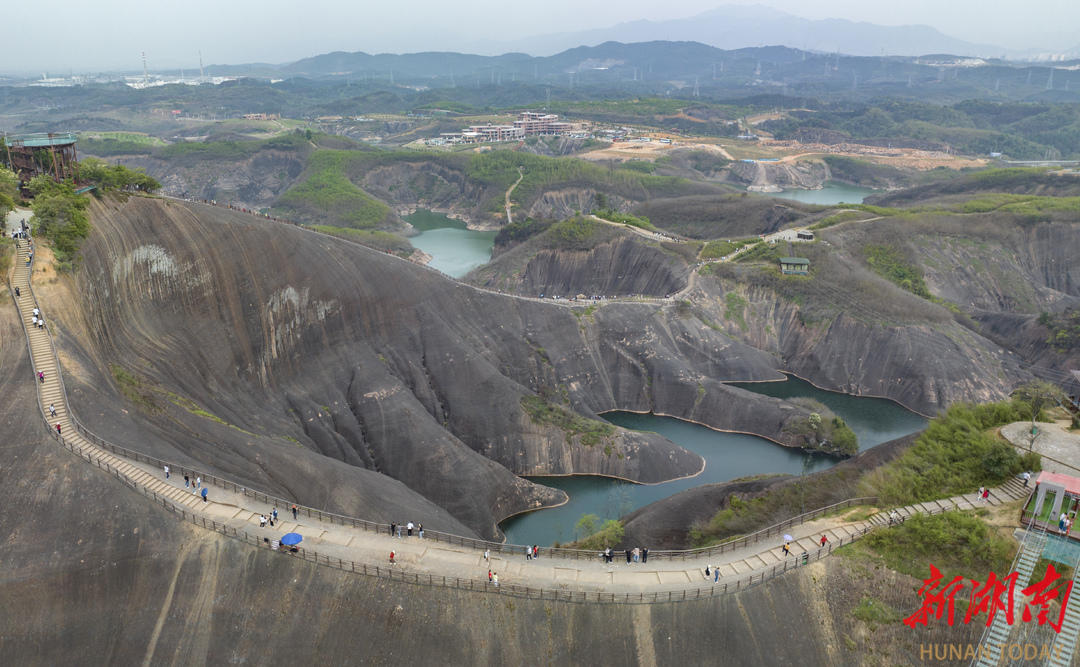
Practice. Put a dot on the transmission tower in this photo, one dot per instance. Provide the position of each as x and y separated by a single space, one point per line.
697 92
145 75
201 75
1050 80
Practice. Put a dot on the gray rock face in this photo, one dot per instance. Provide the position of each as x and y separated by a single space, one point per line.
253 182
625 265
1030 271
292 339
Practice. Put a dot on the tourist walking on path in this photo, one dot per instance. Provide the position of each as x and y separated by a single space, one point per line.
528 553
536 551
187 480
273 516
981 489
204 495
824 540
57 428
420 530
52 410
392 554
986 495
393 527
489 576
495 579
198 482
787 548
1027 478
166 467
487 555
707 569
716 575
409 527
294 512
399 531
262 521
629 555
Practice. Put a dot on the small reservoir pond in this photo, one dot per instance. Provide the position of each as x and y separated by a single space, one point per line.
833 192
727 456
455 249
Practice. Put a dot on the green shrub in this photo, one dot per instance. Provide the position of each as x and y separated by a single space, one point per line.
327 192
7 253
886 261
1000 460
546 413
718 249
577 233
60 216
111 177
521 230
953 455
955 542
376 239
608 536
612 215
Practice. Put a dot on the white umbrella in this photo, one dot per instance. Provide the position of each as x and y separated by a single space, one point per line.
788 538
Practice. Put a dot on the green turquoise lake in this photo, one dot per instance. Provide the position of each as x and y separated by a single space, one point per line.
727 456
455 249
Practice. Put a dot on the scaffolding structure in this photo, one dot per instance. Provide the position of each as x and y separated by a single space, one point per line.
51 153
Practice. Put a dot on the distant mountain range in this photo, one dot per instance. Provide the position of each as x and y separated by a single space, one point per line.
737 27
653 60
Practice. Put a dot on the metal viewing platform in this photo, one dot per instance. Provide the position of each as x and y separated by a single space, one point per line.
51 153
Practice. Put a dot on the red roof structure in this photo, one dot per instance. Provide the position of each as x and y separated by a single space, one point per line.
1071 484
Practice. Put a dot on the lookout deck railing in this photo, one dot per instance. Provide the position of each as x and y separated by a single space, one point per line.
458 540
397 573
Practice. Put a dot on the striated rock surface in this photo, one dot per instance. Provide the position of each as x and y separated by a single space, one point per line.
255 347
627 264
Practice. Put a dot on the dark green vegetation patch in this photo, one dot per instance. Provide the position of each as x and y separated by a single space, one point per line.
955 542
545 413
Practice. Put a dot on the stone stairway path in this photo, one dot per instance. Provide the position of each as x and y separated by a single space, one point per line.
239 513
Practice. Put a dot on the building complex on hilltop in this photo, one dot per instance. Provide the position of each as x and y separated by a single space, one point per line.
529 123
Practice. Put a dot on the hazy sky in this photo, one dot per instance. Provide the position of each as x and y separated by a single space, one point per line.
110 34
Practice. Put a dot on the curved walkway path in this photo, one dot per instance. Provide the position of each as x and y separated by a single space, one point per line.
364 547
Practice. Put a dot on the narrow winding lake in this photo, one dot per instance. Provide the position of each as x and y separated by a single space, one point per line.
833 192
727 456
455 249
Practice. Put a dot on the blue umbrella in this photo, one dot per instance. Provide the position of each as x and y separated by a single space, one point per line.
292 539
